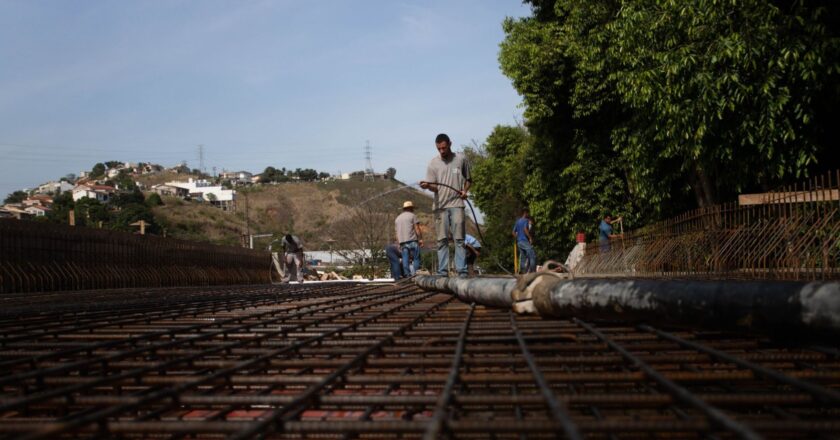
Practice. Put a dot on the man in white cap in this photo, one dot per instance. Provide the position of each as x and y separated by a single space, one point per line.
410 238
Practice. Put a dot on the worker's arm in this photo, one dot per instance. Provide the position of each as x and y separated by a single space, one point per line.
467 185
419 233
474 250
616 220
528 233
431 186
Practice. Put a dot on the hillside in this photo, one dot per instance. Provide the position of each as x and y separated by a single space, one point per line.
346 211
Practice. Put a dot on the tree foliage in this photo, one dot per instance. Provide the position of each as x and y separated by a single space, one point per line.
650 107
498 179
16 197
98 170
271 174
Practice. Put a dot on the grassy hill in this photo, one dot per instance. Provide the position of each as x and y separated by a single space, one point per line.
316 211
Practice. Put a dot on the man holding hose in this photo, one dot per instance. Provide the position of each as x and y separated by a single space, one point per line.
448 176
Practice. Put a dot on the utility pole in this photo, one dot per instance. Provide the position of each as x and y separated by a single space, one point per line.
247 217
201 157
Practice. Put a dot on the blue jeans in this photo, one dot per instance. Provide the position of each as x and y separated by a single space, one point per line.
526 254
409 249
604 246
393 255
450 222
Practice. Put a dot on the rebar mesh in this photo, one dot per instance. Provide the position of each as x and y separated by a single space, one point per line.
347 361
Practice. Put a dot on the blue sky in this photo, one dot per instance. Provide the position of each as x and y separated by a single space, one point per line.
281 83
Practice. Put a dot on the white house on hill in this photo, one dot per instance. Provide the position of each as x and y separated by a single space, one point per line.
102 193
215 194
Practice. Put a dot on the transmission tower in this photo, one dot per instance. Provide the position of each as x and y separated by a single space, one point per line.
368 163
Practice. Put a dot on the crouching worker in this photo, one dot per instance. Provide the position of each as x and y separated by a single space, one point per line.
292 258
473 252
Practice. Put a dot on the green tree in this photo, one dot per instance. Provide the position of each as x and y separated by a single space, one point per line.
61 207
90 212
124 198
153 200
132 213
123 181
16 197
648 108
97 171
498 174
726 92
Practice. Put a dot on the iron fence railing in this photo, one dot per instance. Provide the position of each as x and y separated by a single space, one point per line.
791 233
37 256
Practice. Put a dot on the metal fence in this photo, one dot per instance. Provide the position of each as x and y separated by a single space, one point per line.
37 256
791 233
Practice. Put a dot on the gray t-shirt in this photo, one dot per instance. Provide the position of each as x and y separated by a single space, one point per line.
405 226
454 172
294 247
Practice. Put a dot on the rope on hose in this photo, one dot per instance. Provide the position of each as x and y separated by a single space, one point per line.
523 293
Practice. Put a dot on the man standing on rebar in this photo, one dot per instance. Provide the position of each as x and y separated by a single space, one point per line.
524 241
292 258
410 238
605 232
448 176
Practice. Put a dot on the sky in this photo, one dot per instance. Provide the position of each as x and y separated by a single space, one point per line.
294 84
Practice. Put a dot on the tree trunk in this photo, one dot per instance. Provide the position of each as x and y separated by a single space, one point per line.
703 188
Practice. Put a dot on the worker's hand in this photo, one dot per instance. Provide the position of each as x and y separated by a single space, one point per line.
463 194
424 185
420 242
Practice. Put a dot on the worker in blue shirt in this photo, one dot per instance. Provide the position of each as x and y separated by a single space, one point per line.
605 232
524 240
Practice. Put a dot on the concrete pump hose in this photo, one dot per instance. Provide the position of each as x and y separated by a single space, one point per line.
767 306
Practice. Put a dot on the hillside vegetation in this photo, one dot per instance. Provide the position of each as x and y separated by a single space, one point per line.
315 211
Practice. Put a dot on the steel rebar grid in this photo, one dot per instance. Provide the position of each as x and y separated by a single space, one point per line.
347 361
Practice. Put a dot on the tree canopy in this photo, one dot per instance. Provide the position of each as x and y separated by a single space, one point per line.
649 108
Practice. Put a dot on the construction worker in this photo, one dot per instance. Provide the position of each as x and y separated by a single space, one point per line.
410 238
473 252
448 176
577 253
605 232
524 241
292 258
